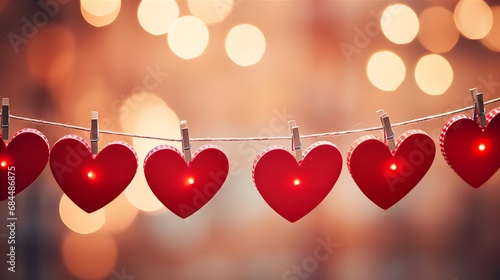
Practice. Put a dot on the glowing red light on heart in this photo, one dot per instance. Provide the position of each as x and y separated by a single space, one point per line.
393 167
481 147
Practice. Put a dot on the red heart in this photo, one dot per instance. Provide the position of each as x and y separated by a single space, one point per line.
182 187
291 188
92 181
473 152
25 156
385 177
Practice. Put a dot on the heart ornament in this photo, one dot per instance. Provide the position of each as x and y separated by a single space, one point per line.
386 176
92 181
185 187
22 160
472 151
294 188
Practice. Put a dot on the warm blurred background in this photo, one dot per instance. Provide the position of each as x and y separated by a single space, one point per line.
238 68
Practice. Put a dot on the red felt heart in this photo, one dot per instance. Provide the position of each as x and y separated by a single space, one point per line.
182 187
25 157
92 181
385 177
473 152
291 188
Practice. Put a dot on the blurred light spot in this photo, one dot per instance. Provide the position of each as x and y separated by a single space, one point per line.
492 40
190 181
3 163
101 19
147 114
386 70
3 4
438 32
481 147
120 214
188 37
89 256
78 220
93 96
394 167
174 234
399 23
210 11
51 55
100 7
433 74
473 18
252 207
245 44
212 266
157 16
296 182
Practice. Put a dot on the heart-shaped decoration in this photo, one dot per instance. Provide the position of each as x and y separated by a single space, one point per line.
92 181
385 177
473 152
25 156
185 188
291 188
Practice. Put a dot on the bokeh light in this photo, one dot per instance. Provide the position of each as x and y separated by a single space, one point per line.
219 267
51 55
481 147
438 32
433 74
171 233
150 116
100 7
94 97
89 256
492 40
78 220
245 44
188 37
473 18
386 70
399 24
3 4
393 167
157 16
120 214
103 16
210 11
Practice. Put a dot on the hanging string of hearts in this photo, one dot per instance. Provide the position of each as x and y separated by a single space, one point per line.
291 182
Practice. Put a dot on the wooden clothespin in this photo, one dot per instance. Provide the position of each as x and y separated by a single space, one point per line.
296 144
5 118
388 132
186 145
479 113
94 132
